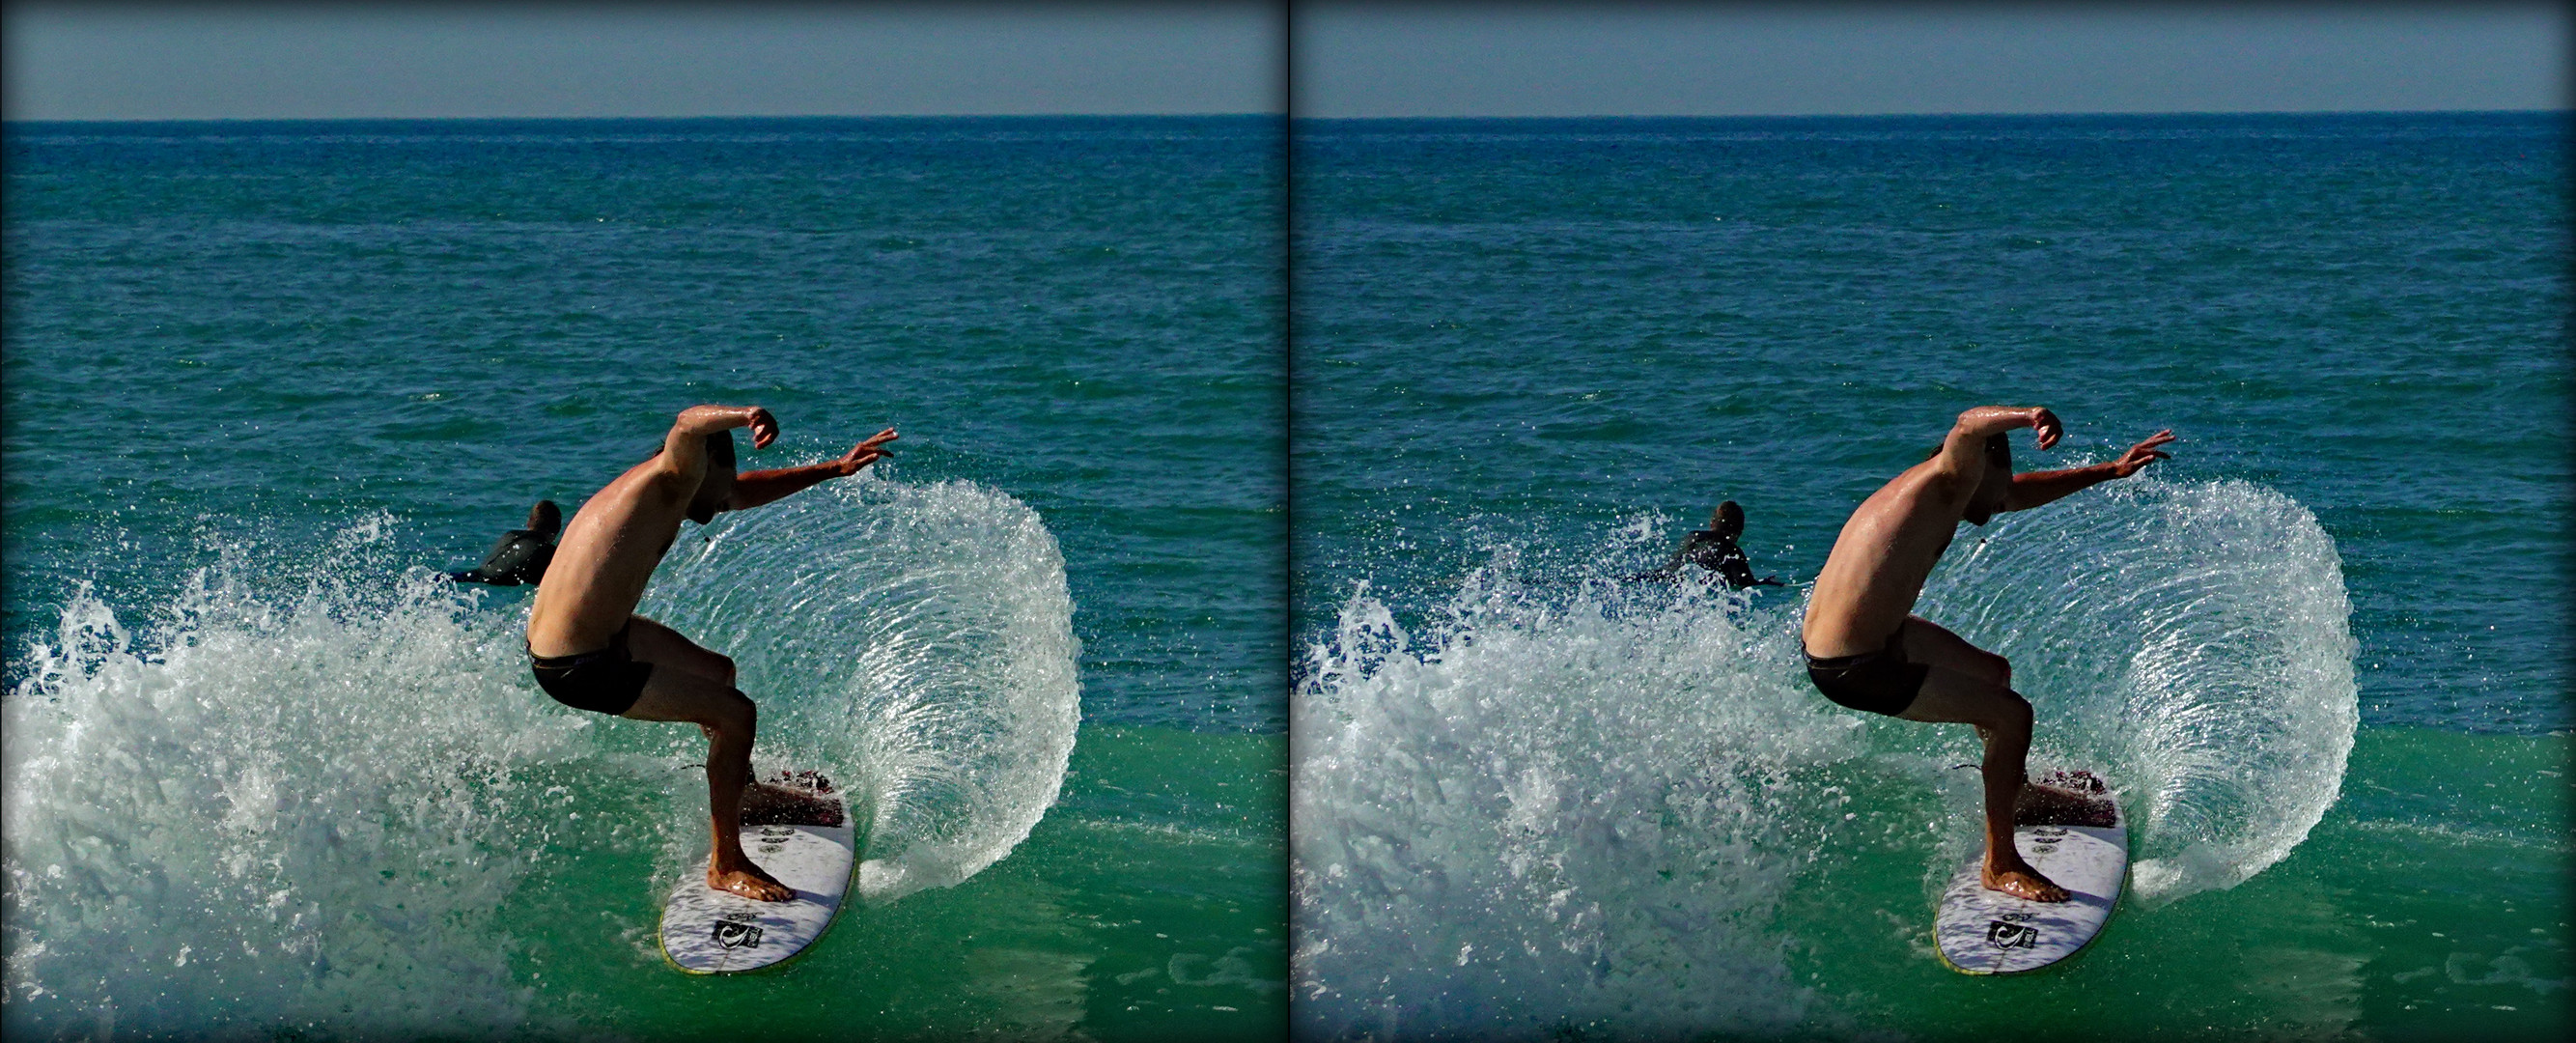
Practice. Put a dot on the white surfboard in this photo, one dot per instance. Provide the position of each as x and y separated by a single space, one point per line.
706 931
2085 849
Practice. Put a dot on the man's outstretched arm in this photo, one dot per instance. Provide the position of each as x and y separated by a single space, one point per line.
753 488
2038 487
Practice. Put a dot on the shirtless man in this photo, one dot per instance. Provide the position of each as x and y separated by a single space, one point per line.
1866 651
592 652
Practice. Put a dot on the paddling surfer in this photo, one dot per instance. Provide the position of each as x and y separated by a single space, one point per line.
522 554
1715 549
1867 651
590 650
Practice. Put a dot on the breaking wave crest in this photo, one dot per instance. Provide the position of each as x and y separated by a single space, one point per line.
925 635
316 792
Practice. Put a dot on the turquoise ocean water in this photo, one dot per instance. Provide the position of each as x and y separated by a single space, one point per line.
2321 652
266 778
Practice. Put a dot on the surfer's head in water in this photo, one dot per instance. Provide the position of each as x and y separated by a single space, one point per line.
545 519
1727 521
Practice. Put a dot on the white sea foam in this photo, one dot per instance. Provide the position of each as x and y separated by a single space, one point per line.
271 809
2195 640
916 638
1540 817
1582 810
302 804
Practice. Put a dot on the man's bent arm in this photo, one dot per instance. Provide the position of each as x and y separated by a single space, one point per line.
1963 453
684 450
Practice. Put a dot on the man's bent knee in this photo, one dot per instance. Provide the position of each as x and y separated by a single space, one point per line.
2014 717
730 711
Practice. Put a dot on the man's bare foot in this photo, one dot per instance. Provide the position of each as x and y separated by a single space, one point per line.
749 881
2023 882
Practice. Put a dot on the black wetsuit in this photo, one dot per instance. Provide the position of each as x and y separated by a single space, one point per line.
520 557
1717 553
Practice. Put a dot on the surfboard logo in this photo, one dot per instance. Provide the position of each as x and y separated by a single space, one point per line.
2004 934
733 935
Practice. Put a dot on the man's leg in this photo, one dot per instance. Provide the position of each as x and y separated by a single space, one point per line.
1966 685
662 646
665 648
730 721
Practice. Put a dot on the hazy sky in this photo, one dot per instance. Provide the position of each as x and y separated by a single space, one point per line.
218 61
1459 59
98 61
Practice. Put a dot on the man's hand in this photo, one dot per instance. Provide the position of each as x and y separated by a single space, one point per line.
764 427
2047 426
865 453
2142 454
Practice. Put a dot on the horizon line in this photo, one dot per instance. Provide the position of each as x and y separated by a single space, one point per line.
2563 110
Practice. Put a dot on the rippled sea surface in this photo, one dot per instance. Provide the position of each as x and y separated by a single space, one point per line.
2321 652
266 778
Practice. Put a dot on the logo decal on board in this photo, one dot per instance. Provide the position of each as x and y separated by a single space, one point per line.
2004 935
736 935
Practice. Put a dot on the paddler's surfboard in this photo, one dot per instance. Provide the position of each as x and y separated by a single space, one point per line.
706 931
2083 847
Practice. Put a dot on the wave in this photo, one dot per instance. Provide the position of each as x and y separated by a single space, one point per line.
926 633
271 807
316 792
2196 639
1582 808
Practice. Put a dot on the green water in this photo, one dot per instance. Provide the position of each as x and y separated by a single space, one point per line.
1147 905
2429 904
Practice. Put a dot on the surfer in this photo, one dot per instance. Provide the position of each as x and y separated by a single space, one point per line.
590 651
1867 651
1714 548
522 554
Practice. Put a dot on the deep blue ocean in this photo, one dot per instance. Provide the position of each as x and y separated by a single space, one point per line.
2322 652
268 778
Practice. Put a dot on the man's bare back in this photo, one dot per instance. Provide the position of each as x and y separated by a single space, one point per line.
1867 651
592 652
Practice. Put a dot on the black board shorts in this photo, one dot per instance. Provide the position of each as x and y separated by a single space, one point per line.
1871 682
606 681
